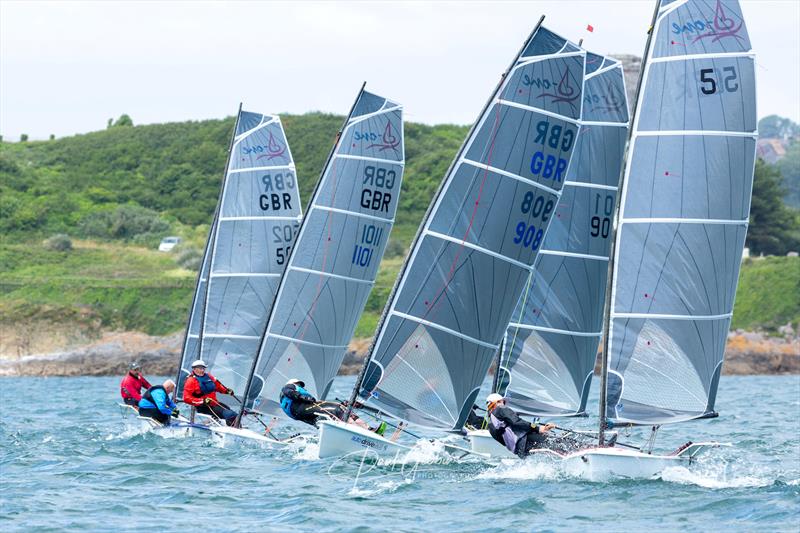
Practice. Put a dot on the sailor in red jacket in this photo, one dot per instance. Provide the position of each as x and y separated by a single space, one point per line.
132 385
201 390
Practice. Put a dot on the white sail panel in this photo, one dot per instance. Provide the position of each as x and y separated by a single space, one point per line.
683 215
339 248
551 344
253 232
474 251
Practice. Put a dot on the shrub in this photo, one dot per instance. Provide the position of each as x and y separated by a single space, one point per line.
394 249
58 243
188 256
126 222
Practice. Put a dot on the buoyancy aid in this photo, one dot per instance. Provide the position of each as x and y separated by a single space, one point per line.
207 384
286 402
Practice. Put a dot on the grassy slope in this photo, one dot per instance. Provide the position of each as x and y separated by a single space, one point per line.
769 293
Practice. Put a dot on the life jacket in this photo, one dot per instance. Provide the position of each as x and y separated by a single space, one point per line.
509 437
149 396
207 384
286 402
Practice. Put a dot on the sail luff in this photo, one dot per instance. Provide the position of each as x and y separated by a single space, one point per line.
613 258
205 269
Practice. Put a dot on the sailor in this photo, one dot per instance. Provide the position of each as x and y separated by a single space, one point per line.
201 390
507 428
157 404
299 404
132 384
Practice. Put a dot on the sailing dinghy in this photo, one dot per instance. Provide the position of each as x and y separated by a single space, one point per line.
252 233
333 265
472 255
679 233
545 366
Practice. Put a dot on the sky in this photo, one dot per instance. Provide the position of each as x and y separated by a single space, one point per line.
67 67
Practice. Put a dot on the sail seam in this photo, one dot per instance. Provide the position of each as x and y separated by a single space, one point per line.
484 166
251 169
689 57
674 220
246 275
657 316
478 248
375 159
308 343
532 109
444 329
227 219
700 133
574 254
329 274
589 185
354 213
226 336
556 330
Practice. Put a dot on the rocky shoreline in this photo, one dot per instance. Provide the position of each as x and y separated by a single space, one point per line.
747 353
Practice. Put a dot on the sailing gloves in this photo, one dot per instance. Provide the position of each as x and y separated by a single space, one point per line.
175 413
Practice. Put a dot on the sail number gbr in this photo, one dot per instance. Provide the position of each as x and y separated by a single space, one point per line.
559 138
376 184
525 234
274 196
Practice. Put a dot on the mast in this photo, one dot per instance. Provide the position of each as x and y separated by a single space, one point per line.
613 251
207 256
363 372
250 375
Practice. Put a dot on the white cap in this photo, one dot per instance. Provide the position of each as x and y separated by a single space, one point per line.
199 362
295 381
493 398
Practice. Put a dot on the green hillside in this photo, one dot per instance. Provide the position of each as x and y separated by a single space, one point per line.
117 192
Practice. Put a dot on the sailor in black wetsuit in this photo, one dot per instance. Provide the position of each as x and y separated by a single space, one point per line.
299 404
516 434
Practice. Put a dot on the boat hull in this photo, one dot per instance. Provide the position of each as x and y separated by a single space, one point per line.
483 443
337 439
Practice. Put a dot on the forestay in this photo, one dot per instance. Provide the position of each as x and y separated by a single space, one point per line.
472 256
551 344
683 215
339 248
257 221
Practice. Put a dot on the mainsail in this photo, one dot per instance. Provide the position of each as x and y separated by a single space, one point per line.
551 344
336 257
252 234
471 258
683 215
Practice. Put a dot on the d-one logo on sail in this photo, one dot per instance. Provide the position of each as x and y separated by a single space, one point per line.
564 91
722 26
269 151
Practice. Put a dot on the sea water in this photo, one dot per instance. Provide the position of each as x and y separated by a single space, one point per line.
70 459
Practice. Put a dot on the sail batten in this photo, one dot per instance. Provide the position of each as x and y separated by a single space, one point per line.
683 216
446 316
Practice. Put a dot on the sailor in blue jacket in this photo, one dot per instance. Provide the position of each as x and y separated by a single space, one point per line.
157 404
299 404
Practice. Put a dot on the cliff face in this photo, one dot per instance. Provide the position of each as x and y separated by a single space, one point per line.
747 353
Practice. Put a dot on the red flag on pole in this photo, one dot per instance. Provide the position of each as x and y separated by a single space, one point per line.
589 27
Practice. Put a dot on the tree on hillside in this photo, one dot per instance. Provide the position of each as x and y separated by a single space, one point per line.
789 165
23 138
773 226
775 127
123 120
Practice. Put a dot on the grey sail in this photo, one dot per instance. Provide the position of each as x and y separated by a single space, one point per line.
683 215
551 344
473 254
258 217
336 257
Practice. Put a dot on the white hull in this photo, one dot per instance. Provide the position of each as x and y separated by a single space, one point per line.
482 442
337 439
599 463
230 434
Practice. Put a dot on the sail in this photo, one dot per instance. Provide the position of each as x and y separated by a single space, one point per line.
472 256
551 344
335 261
259 214
683 215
